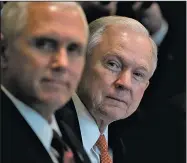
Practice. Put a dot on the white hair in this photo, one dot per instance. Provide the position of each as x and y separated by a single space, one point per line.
14 16
98 27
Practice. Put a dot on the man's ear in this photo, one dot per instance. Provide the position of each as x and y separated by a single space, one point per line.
3 54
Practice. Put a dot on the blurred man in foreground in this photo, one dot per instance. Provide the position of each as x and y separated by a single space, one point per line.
42 59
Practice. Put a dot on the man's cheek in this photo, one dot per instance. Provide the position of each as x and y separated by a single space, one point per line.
139 90
142 91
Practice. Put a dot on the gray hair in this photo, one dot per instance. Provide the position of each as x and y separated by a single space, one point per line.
98 27
14 16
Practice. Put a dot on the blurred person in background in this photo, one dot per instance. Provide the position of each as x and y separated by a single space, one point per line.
148 13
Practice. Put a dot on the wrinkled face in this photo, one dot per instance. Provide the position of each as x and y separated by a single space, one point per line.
117 74
46 60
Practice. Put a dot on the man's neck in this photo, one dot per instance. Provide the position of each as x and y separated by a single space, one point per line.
102 125
43 112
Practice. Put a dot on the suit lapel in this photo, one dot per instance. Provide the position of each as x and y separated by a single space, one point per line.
117 145
69 116
20 143
68 123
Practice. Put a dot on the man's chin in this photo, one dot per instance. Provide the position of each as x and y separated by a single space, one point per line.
55 100
114 113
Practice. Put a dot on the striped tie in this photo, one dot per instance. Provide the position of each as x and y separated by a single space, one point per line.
61 150
103 147
56 146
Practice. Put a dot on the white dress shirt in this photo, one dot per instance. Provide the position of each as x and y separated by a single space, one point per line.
89 130
39 125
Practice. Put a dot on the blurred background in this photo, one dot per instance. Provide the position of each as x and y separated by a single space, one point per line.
156 132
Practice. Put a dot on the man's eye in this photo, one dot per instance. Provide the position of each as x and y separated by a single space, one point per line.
139 76
113 65
46 45
74 49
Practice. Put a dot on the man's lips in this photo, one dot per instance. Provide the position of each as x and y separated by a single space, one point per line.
117 99
56 82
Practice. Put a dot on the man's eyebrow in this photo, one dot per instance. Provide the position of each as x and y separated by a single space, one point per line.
43 36
144 68
56 37
123 60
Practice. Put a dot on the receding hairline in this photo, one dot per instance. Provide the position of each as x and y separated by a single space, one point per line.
99 26
116 20
19 11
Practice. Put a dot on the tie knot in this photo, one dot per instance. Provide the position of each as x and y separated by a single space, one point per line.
102 144
103 147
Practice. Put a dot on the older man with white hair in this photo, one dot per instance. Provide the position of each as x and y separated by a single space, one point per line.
121 58
42 60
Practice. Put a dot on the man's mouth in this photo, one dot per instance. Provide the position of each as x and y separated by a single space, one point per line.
55 82
117 99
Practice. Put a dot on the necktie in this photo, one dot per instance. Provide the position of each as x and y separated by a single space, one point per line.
60 150
103 147
57 147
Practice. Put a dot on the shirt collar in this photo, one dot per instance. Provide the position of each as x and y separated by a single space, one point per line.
38 124
88 127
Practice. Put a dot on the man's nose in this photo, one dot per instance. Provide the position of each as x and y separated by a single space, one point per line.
61 59
124 80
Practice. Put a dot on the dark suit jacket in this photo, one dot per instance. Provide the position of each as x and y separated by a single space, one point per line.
69 116
155 136
21 145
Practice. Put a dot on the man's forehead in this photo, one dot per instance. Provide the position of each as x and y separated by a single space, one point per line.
120 43
42 5
125 37
119 29
48 20
49 12
50 7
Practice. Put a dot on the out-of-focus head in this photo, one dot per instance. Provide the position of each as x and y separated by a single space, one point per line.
44 54
121 58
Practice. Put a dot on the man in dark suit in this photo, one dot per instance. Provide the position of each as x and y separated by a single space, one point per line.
41 64
121 58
